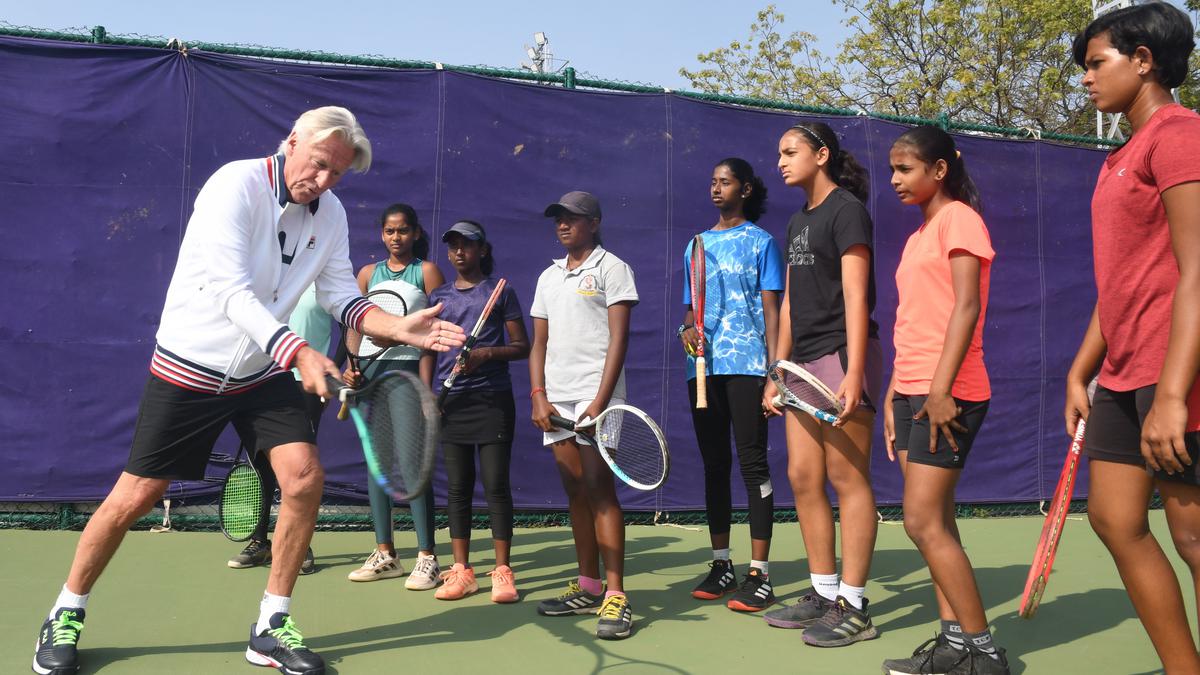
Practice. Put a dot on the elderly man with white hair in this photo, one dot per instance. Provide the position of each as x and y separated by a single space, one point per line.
262 231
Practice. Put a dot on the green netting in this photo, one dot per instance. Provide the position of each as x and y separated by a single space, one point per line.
568 78
202 516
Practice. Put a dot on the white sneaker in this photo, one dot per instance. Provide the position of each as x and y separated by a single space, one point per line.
425 575
379 565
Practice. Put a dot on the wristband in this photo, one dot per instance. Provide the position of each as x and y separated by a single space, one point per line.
536 391
682 327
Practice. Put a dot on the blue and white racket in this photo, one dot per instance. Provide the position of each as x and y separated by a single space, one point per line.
630 442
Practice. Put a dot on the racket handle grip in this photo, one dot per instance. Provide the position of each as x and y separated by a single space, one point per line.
343 412
701 384
562 423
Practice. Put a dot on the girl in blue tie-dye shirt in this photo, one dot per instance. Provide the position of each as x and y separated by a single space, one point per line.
743 279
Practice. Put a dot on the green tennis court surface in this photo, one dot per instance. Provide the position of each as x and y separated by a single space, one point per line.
168 604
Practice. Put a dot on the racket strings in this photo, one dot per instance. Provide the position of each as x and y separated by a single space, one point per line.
390 303
241 501
633 445
807 392
400 433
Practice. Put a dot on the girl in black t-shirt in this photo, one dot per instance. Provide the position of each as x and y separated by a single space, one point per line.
827 329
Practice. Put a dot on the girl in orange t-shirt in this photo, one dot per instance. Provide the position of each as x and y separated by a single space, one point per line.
939 393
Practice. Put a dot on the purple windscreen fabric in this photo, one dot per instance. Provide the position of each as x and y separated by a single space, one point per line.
115 142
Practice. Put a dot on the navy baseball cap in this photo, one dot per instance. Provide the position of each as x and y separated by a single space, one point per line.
467 229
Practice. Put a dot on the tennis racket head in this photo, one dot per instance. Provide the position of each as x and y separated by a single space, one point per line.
798 385
1056 518
240 507
397 422
390 302
697 287
633 445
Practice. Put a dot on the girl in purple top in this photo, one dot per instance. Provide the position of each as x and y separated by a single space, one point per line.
479 414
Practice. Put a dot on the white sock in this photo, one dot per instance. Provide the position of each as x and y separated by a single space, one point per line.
720 554
762 565
826 585
68 599
271 605
852 594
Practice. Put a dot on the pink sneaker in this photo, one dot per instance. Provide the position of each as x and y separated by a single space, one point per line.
503 588
457 582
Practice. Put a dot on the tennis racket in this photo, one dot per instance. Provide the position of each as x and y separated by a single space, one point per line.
240 509
460 363
397 422
1056 517
800 389
697 281
630 442
364 352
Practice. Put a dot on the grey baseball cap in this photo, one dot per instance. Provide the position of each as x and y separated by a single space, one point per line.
577 202
467 229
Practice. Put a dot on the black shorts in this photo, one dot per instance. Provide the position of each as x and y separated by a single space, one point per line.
478 417
177 428
1114 431
913 435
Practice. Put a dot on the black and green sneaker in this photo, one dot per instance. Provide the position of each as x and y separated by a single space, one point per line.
574 600
256 553
935 656
616 619
841 625
56 652
281 646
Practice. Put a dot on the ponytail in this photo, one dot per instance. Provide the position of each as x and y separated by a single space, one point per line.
930 144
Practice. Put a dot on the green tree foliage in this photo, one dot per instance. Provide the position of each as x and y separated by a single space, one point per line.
1189 93
997 62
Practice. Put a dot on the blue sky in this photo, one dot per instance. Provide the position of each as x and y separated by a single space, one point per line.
645 41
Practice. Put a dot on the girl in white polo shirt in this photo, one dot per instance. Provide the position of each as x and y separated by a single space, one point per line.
580 313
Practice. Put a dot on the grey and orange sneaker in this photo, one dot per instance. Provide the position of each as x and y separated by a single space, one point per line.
841 625
55 651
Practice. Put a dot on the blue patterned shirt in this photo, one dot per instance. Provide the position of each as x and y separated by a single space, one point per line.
740 263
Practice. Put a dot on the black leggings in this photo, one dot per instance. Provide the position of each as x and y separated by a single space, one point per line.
494 460
313 406
734 400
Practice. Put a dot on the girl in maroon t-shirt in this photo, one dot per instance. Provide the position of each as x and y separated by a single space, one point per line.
1144 335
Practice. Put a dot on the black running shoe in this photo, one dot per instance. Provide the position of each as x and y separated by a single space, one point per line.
755 593
935 656
981 663
616 619
841 625
310 563
721 579
256 553
574 601
56 653
805 612
282 647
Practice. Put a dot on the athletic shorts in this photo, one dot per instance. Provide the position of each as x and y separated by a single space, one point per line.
177 428
913 435
831 370
477 417
1114 431
571 410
